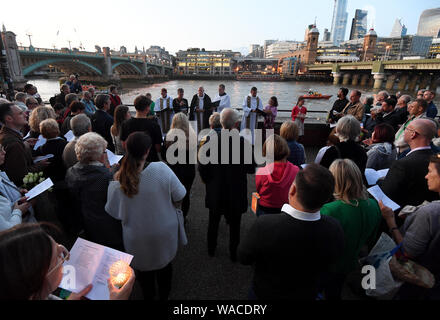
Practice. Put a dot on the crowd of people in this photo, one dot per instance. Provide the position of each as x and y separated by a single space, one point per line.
314 221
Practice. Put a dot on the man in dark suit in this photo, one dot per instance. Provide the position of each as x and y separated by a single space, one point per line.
291 250
405 183
18 161
102 121
201 109
226 183
388 114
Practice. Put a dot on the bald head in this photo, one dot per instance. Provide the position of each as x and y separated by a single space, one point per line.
425 127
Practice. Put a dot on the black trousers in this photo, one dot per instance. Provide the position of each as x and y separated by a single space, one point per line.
149 279
234 221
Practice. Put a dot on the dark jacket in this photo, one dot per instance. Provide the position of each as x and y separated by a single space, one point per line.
346 150
226 184
56 169
338 106
101 124
18 159
289 255
207 106
393 119
115 102
405 183
177 108
88 186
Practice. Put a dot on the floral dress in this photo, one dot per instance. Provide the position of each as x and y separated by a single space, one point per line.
270 118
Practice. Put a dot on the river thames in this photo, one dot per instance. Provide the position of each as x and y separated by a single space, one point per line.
286 92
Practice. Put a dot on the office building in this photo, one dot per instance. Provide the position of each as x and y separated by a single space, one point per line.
267 43
326 36
399 29
429 23
281 47
202 62
359 25
434 50
339 22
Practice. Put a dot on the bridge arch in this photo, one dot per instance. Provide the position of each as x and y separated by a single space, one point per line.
153 70
29 69
128 64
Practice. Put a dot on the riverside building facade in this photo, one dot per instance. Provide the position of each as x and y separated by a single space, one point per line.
201 62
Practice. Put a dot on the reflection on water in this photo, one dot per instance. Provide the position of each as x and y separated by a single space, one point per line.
286 92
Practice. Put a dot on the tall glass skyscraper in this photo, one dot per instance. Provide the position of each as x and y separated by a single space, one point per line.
339 24
359 25
429 24
399 29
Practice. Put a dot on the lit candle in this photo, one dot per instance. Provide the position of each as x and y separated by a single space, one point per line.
120 272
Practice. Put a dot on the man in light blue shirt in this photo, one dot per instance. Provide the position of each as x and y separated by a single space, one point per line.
88 102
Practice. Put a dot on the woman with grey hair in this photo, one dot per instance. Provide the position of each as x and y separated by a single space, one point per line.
348 131
88 181
80 125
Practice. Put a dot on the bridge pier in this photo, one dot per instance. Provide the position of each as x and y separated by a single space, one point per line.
336 78
13 59
108 72
346 79
355 80
390 82
413 83
378 80
364 80
403 82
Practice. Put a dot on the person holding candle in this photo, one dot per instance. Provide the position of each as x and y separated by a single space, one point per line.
144 196
31 266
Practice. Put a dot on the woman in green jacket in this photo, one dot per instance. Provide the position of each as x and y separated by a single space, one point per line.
360 218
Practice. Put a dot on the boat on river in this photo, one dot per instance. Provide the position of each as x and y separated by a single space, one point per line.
316 96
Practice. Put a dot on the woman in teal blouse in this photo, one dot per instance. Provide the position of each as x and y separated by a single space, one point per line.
359 216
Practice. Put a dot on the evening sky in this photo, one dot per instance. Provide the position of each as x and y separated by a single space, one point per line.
175 25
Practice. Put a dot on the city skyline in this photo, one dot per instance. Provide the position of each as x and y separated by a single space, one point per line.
113 25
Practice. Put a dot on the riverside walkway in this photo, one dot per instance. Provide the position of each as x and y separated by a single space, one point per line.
196 276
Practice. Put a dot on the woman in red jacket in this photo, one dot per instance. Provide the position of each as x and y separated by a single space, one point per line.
274 181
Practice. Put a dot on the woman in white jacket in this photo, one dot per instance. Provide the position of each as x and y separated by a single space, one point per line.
10 213
145 200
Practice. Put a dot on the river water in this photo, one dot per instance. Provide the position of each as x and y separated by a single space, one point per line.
286 92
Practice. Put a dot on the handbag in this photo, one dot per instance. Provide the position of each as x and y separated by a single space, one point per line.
183 240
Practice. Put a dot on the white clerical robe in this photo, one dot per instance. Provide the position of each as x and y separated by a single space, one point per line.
165 112
250 119
225 102
199 115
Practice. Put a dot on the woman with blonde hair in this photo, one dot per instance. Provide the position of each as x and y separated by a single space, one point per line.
37 116
273 182
359 217
182 165
290 132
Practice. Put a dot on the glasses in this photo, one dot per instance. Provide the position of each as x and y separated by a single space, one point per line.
412 130
63 256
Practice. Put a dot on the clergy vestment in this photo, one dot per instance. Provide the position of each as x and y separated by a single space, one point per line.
250 119
202 118
164 110
224 102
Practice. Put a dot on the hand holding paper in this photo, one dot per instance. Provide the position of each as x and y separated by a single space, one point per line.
378 194
39 189
112 158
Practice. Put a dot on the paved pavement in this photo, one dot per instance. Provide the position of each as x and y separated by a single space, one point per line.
196 276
